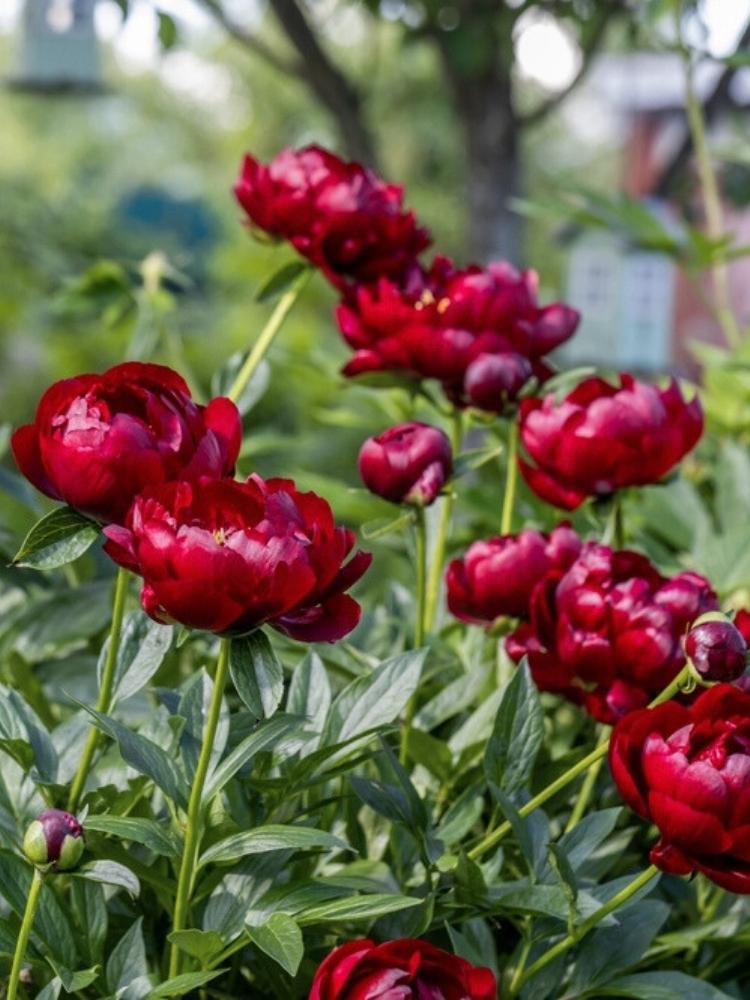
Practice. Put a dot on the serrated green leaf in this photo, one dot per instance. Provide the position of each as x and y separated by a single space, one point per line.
281 939
273 837
58 538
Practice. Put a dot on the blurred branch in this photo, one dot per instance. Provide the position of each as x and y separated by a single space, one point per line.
605 13
326 80
313 67
247 40
719 99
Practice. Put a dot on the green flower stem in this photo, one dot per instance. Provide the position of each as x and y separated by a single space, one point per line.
582 930
493 839
438 553
710 194
23 935
511 480
106 688
193 827
587 787
268 335
420 555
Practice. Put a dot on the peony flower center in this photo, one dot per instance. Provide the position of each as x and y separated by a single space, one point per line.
84 424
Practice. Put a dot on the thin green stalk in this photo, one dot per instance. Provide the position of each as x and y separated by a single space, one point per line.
106 688
493 839
587 788
420 555
23 935
711 197
193 827
441 538
582 930
268 335
511 480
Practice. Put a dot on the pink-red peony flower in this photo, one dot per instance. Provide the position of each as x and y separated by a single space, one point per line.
716 648
497 577
601 438
340 215
408 463
227 556
442 321
687 769
608 632
399 970
98 440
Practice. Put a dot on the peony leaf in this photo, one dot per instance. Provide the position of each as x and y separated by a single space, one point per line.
517 733
281 281
274 837
257 673
281 939
58 538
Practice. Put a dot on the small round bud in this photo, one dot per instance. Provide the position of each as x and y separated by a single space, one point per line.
55 837
494 380
716 648
408 463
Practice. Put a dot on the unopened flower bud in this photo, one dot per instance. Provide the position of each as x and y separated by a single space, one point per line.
716 648
55 837
408 463
494 380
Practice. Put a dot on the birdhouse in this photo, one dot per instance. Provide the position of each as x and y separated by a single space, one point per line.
59 50
626 299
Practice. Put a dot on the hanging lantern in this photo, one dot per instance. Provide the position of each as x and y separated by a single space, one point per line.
59 49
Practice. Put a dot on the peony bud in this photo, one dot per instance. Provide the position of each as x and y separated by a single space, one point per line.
494 380
716 648
55 837
408 463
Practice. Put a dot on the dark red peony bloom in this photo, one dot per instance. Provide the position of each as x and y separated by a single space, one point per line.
716 648
601 438
408 463
98 440
687 769
497 577
339 215
441 321
608 633
399 970
227 556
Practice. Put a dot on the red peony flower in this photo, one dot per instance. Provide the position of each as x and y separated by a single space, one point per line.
403 969
54 838
687 769
441 321
339 215
608 632
601 438
227 556
497 577
98 440
408 463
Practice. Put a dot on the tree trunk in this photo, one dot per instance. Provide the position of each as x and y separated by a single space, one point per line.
493 176
482 91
